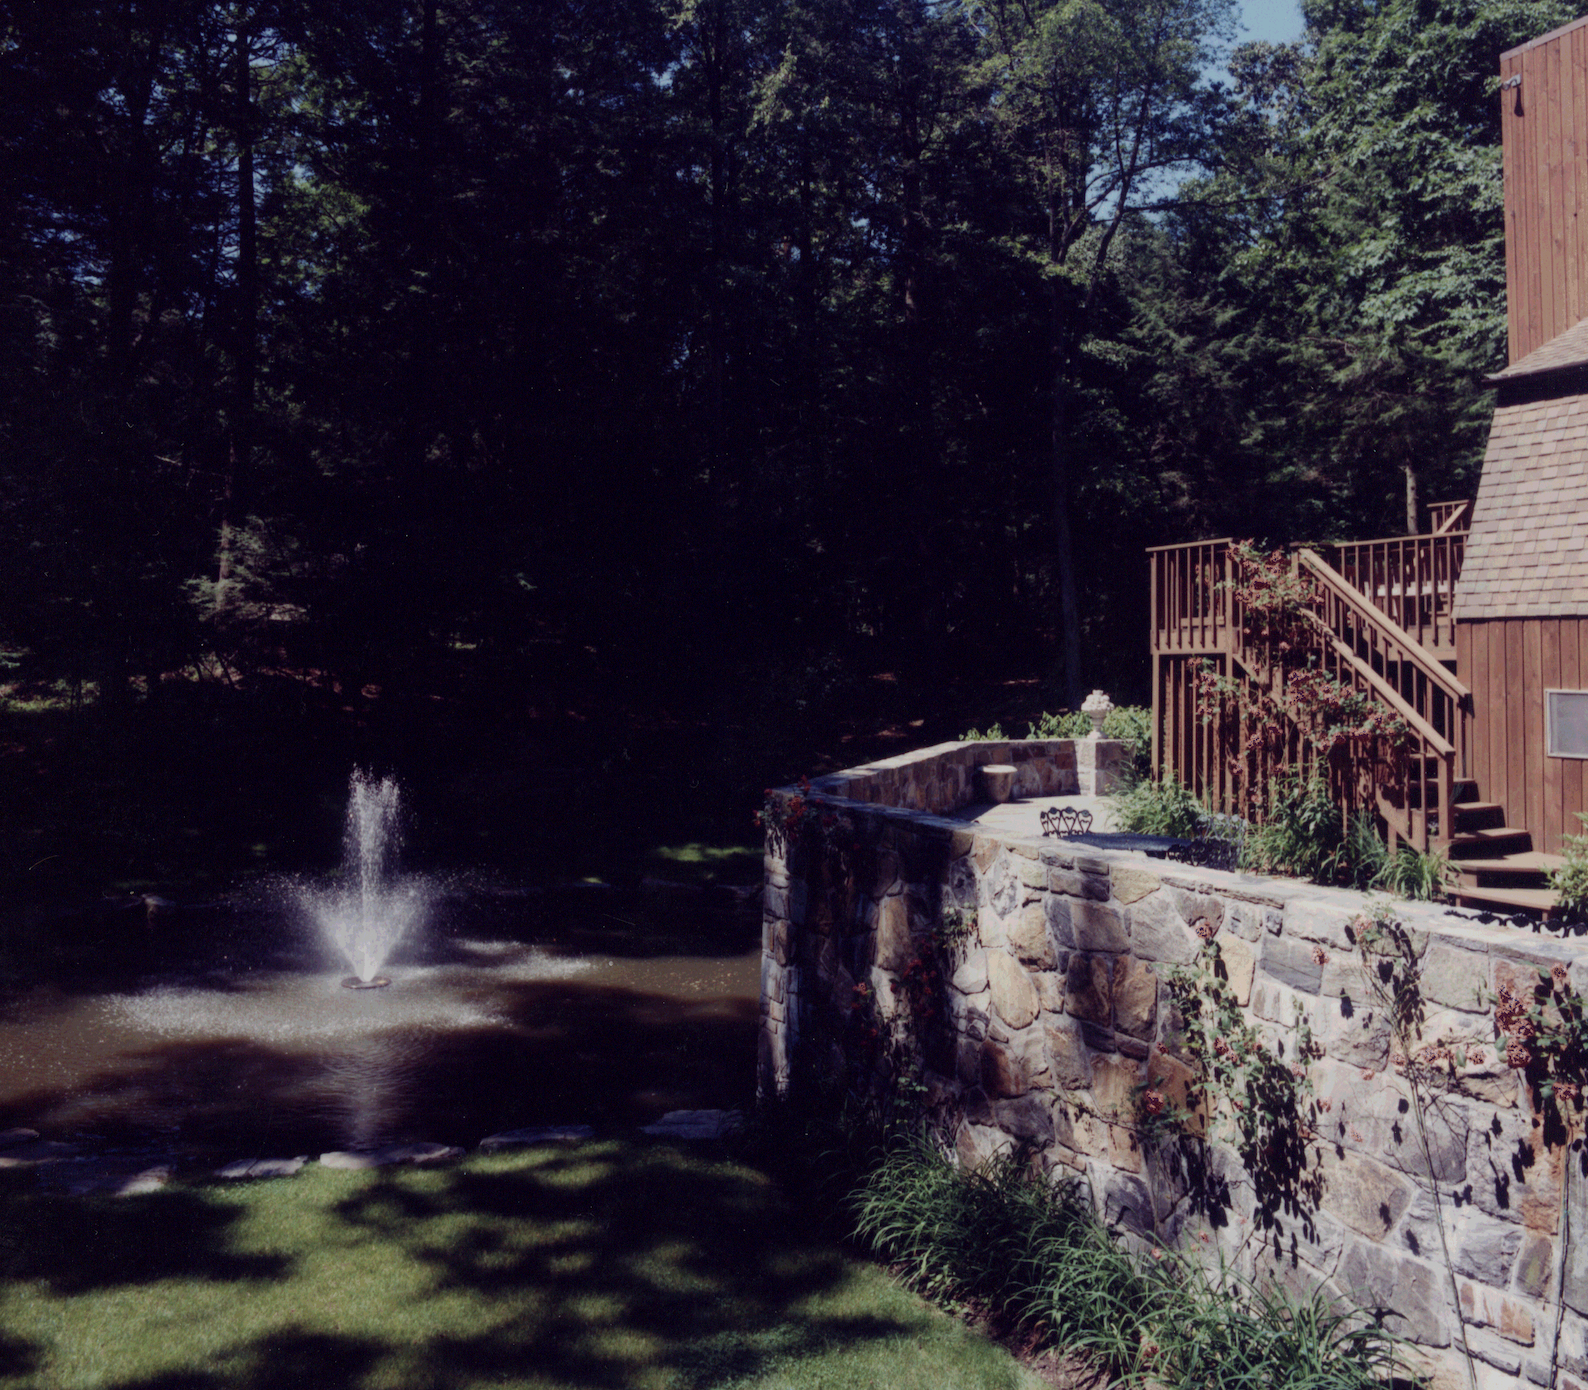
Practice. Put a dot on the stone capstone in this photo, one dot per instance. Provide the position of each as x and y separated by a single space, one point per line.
1132 885
1323 923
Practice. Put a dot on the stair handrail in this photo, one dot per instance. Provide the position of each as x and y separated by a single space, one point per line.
1426 662
1386 692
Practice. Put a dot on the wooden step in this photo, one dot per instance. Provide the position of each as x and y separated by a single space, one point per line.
1479 815
1496 842
1540 900
1463 792
1530 861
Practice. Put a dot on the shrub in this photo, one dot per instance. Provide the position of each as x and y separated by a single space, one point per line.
1130 724
1570 881
1165 807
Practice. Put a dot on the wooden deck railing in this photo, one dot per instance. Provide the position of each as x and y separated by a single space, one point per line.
1410 578
1195 614
1446 517
1190 597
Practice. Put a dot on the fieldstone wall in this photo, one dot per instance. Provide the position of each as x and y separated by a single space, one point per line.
1022 982
943 778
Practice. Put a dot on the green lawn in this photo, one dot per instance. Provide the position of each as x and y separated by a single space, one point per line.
610 1265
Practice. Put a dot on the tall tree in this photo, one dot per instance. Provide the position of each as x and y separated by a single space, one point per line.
1099 104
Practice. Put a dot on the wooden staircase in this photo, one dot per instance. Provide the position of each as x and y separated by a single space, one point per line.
1387 631
1496 866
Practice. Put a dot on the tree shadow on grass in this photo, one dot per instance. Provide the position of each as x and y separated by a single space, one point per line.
80 1246
610 1266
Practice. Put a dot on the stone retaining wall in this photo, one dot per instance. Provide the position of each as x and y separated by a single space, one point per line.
943 778
1046 1019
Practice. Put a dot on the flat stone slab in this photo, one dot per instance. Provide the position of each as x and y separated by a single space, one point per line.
28 1155
540 1134
419 1155
9 1138
118 1182
696 1124
246 1168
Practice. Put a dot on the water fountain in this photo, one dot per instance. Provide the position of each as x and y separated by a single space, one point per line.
372 909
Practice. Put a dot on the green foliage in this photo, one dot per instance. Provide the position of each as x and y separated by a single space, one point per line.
1131 724
1367 863
1302 835
1164 807
1009 1238
1248 1092
993 733
1570 881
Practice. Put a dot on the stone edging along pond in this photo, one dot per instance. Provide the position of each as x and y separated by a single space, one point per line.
1029 988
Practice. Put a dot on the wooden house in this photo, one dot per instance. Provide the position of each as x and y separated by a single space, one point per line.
1469 643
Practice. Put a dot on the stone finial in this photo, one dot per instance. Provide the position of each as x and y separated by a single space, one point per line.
1096 706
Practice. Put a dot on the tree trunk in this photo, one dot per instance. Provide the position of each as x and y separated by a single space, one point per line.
1063 547
1412 507
240 444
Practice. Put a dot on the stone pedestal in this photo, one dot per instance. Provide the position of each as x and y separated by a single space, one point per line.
1099 765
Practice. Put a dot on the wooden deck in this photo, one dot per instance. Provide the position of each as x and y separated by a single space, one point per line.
1198 624
1375 606
1411 579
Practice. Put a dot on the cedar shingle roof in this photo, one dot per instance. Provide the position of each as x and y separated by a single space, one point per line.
1527 548
1569 349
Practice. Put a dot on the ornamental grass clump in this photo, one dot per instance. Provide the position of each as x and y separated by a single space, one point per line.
1006 1238
1164 807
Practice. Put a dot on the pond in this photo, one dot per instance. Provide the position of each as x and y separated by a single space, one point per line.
224 1032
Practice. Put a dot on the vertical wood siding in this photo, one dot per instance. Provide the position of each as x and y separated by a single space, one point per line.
1512 662
1544 128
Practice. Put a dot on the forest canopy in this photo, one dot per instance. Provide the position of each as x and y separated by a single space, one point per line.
719 349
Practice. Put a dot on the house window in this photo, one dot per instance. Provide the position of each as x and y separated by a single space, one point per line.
1566 726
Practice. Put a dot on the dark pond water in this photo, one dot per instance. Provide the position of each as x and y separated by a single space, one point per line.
227 1034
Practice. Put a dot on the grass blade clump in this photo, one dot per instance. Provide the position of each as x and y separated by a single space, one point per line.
1033 1253
1164 807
